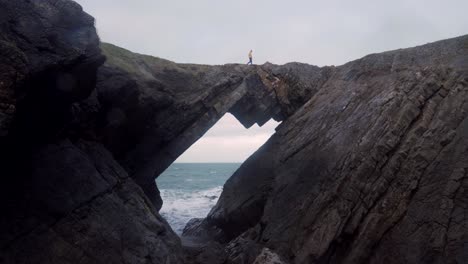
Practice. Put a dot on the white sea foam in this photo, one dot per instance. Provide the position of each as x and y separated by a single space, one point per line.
180 205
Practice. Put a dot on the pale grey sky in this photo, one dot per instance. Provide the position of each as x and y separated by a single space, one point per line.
228 141
329 32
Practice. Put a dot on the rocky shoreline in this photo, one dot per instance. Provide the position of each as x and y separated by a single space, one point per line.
369 164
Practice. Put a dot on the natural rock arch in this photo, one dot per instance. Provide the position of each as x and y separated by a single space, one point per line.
152 110
369 165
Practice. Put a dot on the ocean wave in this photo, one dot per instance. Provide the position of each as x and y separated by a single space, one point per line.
181 205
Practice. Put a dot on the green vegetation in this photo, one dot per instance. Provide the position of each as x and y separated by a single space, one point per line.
132 62
146 66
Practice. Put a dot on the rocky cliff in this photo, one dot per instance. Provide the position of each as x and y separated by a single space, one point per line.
368 166
81 141
149 110
372 169
63 197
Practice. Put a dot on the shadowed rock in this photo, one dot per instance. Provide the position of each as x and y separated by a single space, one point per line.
372 169
368 166
63 198
150 110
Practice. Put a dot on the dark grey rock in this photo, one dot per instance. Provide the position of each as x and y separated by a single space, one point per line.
151 110
372 169
98 215
63 197
199 251
268 257
368 166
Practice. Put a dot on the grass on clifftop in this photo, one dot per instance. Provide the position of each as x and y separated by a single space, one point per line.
131 62
141 64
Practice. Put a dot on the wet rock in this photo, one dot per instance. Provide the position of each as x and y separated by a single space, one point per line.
199 251
268 257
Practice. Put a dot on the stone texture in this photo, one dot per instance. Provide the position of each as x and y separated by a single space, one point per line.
199 251
63 197
368 166
372 169
268 257
98 215
148 111
52 59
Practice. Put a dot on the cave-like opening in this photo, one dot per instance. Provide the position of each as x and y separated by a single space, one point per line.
191 186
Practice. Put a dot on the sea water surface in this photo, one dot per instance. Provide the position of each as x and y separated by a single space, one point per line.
190 190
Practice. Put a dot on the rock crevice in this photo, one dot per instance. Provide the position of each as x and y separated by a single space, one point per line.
352 194
369 164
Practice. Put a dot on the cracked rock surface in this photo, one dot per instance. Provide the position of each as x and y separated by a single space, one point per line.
63 197
369 164
372 169
148 111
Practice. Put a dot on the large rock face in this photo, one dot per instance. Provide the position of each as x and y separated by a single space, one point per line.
46 52
149 110
63 197
369 165
372 169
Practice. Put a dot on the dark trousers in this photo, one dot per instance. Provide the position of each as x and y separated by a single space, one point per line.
250 61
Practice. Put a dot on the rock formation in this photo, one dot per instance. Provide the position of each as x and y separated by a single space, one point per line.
64 199
152 110
73 156
369 164
372 169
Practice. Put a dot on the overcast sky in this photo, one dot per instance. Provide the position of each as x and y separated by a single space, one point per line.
316 32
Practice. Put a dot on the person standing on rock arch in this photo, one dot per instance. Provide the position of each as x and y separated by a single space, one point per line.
250 58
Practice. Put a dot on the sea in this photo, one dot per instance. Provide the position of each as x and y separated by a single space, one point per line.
190 190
